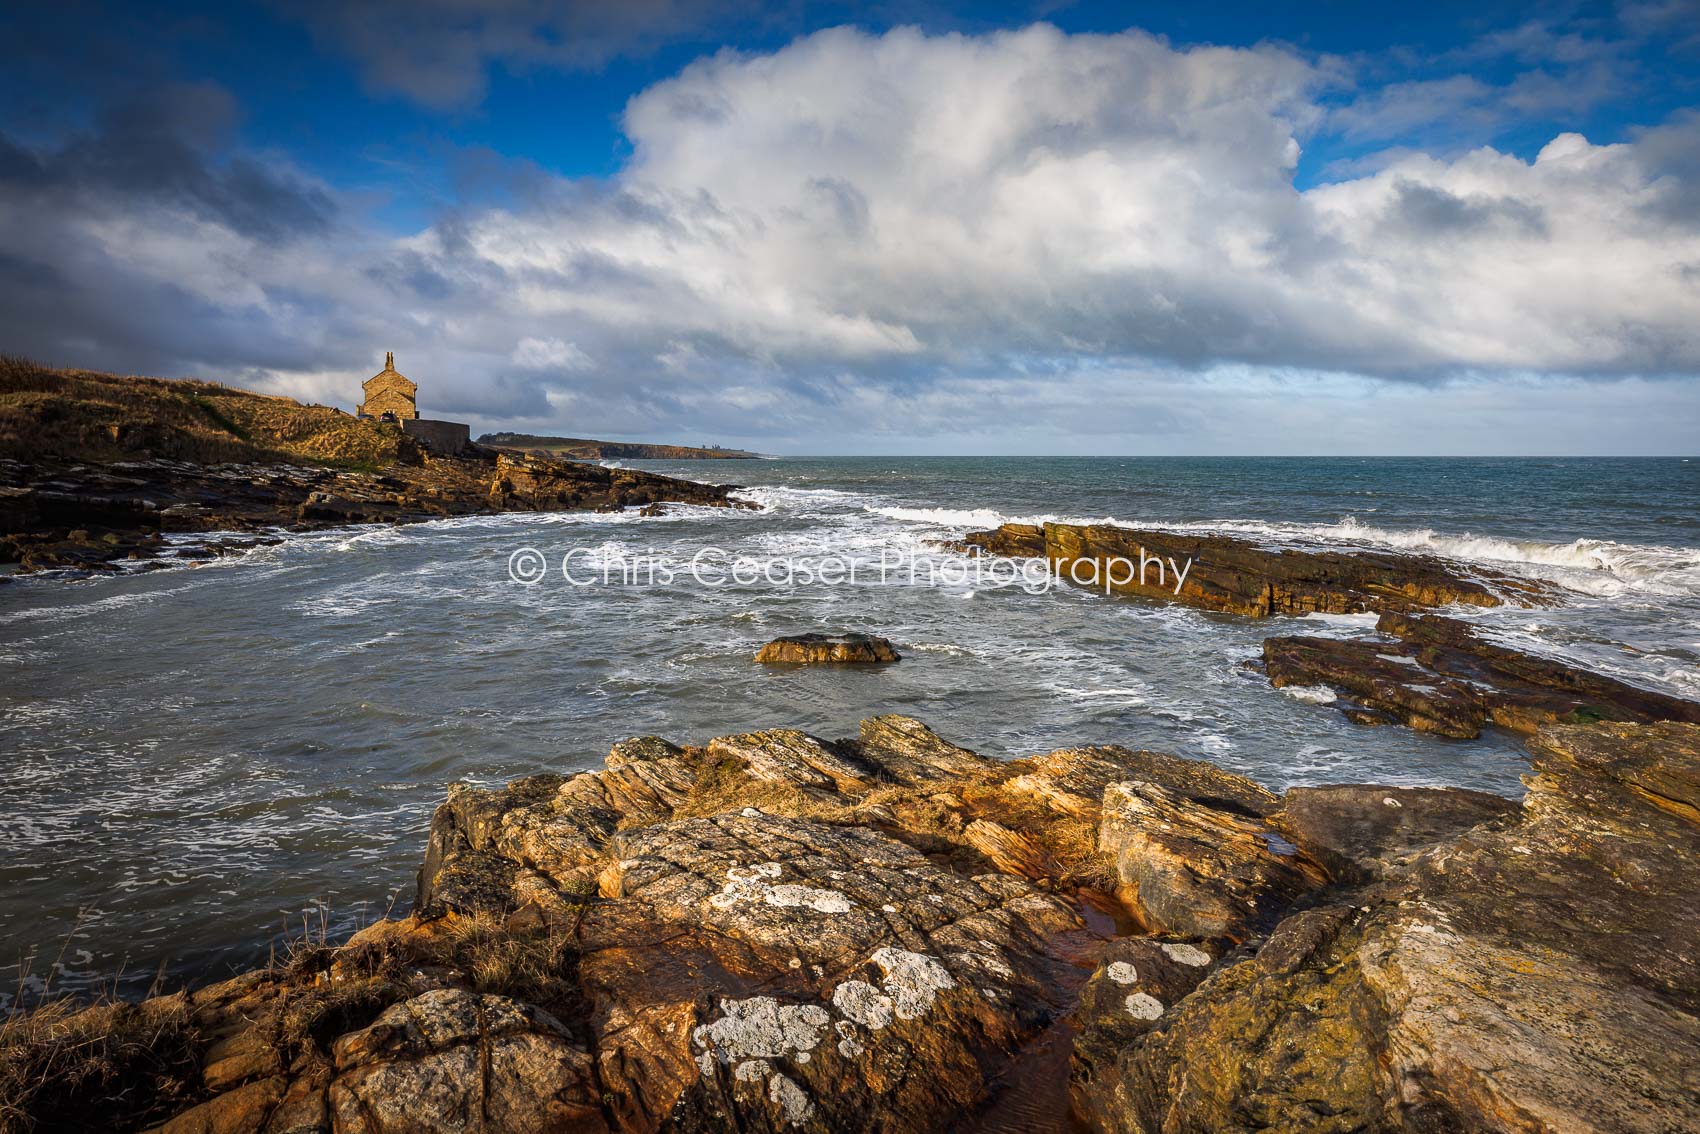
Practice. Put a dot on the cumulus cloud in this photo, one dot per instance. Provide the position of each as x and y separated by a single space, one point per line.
895 234
904 200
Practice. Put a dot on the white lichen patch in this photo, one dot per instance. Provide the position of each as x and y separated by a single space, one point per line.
1122 973
793 1103
849 1046
759 1028
1144 1006
1186 954
1390 801
822 901
862 1002
912 980
746 885
752 1070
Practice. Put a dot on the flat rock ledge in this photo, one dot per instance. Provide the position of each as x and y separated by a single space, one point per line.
774 931
819 649
1239 576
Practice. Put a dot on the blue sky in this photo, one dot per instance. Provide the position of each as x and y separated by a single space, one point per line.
929 227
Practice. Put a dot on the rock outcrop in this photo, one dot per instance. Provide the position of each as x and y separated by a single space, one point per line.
1532 974
1218 572
68 514
774 931
1439 675
817 649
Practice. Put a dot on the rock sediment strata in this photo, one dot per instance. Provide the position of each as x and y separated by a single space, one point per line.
774 931
1240 577
817 649
1439 675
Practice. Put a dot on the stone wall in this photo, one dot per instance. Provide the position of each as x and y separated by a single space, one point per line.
444 437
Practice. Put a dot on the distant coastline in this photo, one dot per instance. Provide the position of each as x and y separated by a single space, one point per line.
582 449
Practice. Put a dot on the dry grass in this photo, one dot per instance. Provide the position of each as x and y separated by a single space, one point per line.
91 416
330 991
66 1064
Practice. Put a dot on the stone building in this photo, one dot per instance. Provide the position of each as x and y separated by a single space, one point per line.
390 397
389 393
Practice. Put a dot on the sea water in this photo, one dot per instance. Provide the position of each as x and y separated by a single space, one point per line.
194 760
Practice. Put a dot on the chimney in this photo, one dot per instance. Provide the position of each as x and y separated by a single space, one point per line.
389 360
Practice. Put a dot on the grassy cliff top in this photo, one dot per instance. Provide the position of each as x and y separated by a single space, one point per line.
87 415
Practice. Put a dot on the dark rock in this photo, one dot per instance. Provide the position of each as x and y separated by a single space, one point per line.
1242 577
1442 677
1379 677
116 511
1524 692
814 649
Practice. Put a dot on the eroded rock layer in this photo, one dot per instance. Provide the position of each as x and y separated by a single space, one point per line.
1239 576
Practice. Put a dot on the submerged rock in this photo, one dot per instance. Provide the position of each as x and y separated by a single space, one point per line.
816 649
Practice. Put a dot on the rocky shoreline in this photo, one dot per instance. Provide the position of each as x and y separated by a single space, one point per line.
775 931
57 513
97 470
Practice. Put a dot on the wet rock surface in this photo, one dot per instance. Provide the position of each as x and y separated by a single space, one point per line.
819 649
1439 675
57 513
1242 577
774 931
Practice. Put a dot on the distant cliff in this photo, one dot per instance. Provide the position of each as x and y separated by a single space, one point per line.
585 450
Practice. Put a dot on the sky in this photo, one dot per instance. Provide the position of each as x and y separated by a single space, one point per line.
885 228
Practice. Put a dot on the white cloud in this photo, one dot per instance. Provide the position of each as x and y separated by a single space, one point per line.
550 354
869 233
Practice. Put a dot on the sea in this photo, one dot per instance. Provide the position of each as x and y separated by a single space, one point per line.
200 764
